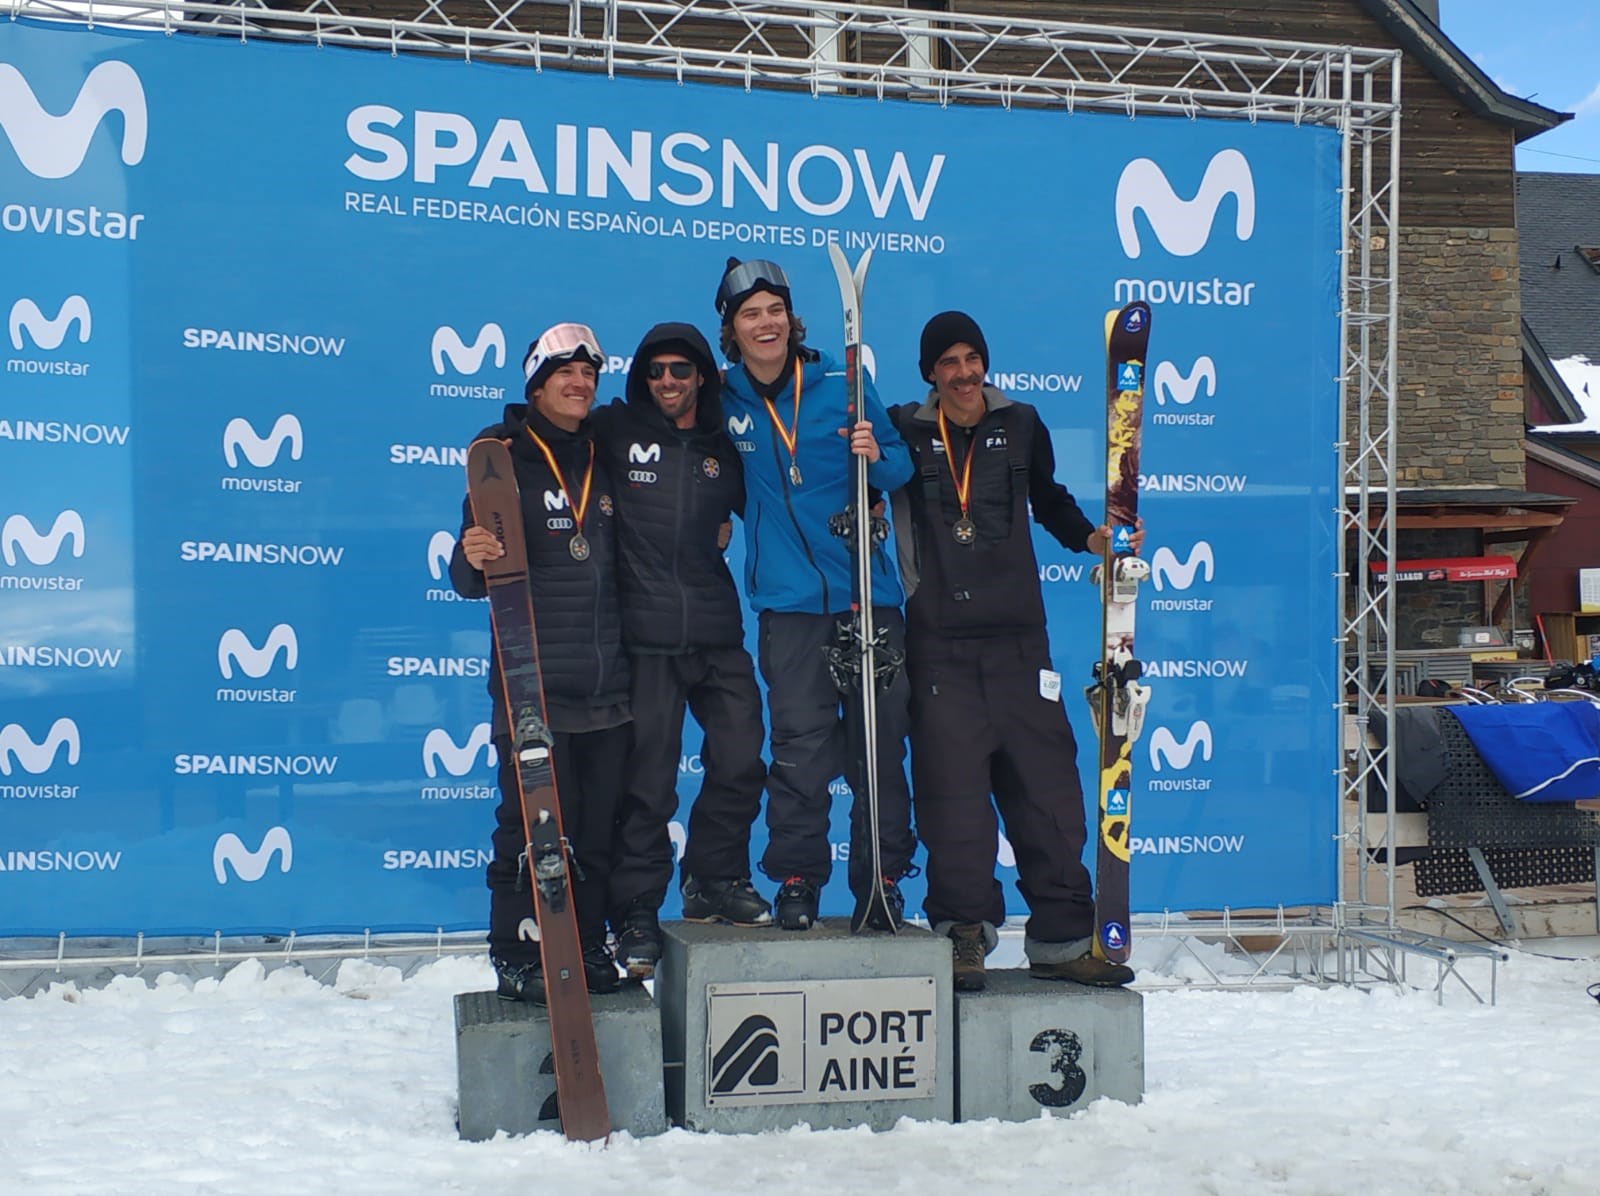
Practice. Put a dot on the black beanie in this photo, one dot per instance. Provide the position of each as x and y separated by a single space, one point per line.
946 329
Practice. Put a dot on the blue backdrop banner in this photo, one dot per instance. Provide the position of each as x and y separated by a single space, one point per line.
261 296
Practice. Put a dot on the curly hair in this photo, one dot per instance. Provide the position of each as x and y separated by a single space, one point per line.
730 347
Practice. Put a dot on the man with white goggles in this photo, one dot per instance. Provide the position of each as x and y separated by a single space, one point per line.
563 343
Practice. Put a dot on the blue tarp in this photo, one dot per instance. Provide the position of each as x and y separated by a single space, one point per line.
1540 751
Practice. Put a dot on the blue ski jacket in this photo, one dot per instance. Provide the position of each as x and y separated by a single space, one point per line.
792 561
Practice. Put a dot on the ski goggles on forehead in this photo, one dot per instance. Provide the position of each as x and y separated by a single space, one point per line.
681 370
561 344
745 279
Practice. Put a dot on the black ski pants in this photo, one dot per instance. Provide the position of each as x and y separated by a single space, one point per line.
718 686
981 729
590 767
815 740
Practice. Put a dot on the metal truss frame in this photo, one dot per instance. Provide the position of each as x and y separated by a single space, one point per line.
928 53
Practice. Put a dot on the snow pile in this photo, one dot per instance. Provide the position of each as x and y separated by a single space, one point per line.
262 1084
1582 377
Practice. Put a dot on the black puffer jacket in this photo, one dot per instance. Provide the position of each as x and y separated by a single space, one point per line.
576 611
675 487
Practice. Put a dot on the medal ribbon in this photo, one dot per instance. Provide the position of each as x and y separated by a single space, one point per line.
963 480
790 435
582 504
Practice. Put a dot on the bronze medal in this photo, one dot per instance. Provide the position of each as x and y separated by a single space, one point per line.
964 530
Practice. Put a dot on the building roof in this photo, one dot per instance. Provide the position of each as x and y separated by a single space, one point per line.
1466 496
1542 448
1549 379
1557 216
1415 27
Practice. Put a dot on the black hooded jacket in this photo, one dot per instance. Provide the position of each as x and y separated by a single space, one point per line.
583 667
675 487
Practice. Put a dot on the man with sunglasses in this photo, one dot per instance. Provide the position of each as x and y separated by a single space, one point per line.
569 524
679 481
786 409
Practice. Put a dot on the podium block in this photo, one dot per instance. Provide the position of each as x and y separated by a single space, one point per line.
1024 1046
764 1029
505 1075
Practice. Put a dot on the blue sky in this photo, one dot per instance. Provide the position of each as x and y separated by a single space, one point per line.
1540 50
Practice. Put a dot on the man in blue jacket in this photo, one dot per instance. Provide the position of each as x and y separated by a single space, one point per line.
785 407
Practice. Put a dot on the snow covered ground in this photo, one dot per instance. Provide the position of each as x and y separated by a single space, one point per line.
263 1084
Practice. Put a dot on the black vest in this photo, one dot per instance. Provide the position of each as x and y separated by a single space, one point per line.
575 606
674 490
989 587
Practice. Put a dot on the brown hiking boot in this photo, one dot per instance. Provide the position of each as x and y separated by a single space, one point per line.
967 954
1086 969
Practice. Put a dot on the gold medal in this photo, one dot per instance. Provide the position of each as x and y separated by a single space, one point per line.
790 435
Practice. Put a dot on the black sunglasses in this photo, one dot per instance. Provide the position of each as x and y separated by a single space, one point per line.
681 370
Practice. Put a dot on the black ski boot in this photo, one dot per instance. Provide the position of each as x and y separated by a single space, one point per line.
639 940
797 904
888 914
600 969
734 900
519 981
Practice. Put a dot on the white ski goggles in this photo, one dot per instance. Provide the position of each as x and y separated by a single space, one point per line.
563 343
745 279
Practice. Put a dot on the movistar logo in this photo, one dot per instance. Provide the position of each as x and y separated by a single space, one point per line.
1183 226
240 437
234 649
38 757
740 425
440 547
53 147
1181 389
41 549
251 866
644 454
438 749
1167 570
48 333
1176 753
467 358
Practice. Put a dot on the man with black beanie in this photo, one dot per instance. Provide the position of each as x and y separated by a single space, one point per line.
679 482
988 730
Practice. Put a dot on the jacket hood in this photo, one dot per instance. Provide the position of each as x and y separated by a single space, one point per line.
685 339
